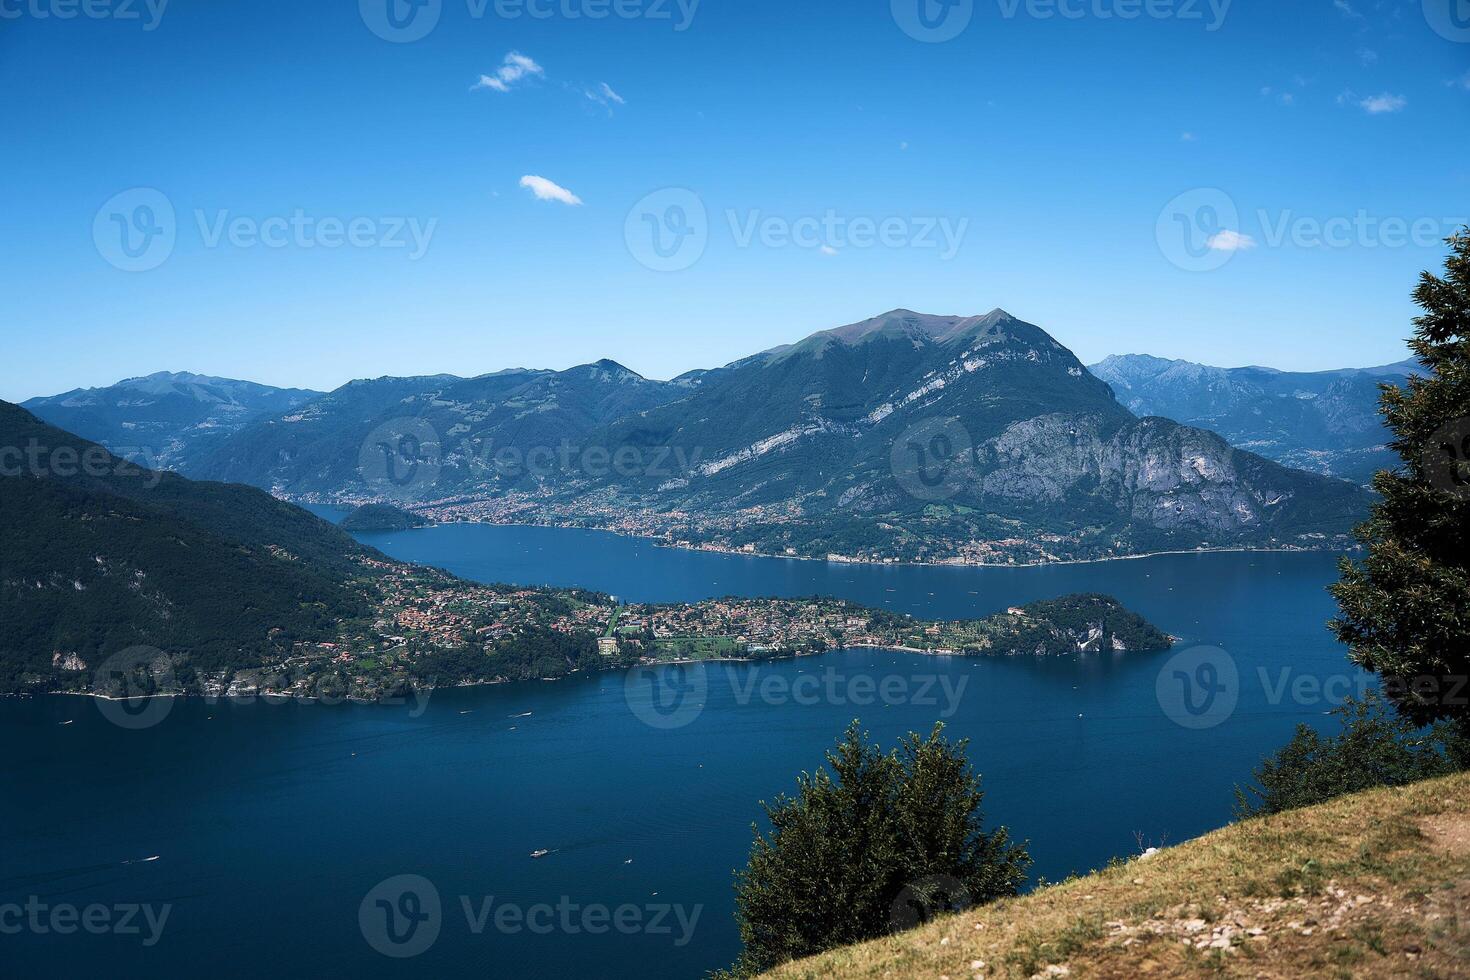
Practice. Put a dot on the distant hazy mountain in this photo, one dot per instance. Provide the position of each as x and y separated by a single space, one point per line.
98 556
1325 422
907 435
164 420
278 451
318 449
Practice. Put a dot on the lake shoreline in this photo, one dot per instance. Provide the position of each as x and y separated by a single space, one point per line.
660 542
417 690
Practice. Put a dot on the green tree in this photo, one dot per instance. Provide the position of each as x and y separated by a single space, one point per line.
1405 607
1376 747
880 842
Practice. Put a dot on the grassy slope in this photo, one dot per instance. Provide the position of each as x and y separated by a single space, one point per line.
1376 885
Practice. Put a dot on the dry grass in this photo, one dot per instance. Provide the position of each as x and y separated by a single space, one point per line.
1373 885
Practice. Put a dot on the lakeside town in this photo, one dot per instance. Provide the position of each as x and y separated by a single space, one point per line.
429 629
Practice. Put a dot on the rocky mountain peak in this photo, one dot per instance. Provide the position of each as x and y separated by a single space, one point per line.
609 370
921 329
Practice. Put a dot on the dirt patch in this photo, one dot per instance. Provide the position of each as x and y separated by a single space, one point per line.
1448 833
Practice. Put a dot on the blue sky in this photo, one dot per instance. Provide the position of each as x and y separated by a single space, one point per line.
1028 162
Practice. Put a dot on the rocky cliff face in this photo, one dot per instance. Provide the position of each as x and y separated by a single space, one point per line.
1164 475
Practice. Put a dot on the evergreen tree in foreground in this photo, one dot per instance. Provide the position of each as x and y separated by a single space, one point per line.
1405 608
879 843
1376 747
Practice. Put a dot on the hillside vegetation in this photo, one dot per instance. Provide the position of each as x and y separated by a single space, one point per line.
99 556
1371 885
381 517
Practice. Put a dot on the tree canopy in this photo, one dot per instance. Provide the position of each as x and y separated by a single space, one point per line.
1405 607
881 842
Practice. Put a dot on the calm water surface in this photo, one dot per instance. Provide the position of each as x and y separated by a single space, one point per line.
272 822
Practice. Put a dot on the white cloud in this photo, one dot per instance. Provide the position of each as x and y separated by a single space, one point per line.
515 68
1187 137
1347 9
1231 241
604 95
1367 56
546 190
1463 83
1377 105
828 250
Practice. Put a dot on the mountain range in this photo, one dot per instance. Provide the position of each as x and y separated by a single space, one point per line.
315 451
906 436
1325 422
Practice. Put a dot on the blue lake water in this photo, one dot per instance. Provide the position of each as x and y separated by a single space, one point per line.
272 823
